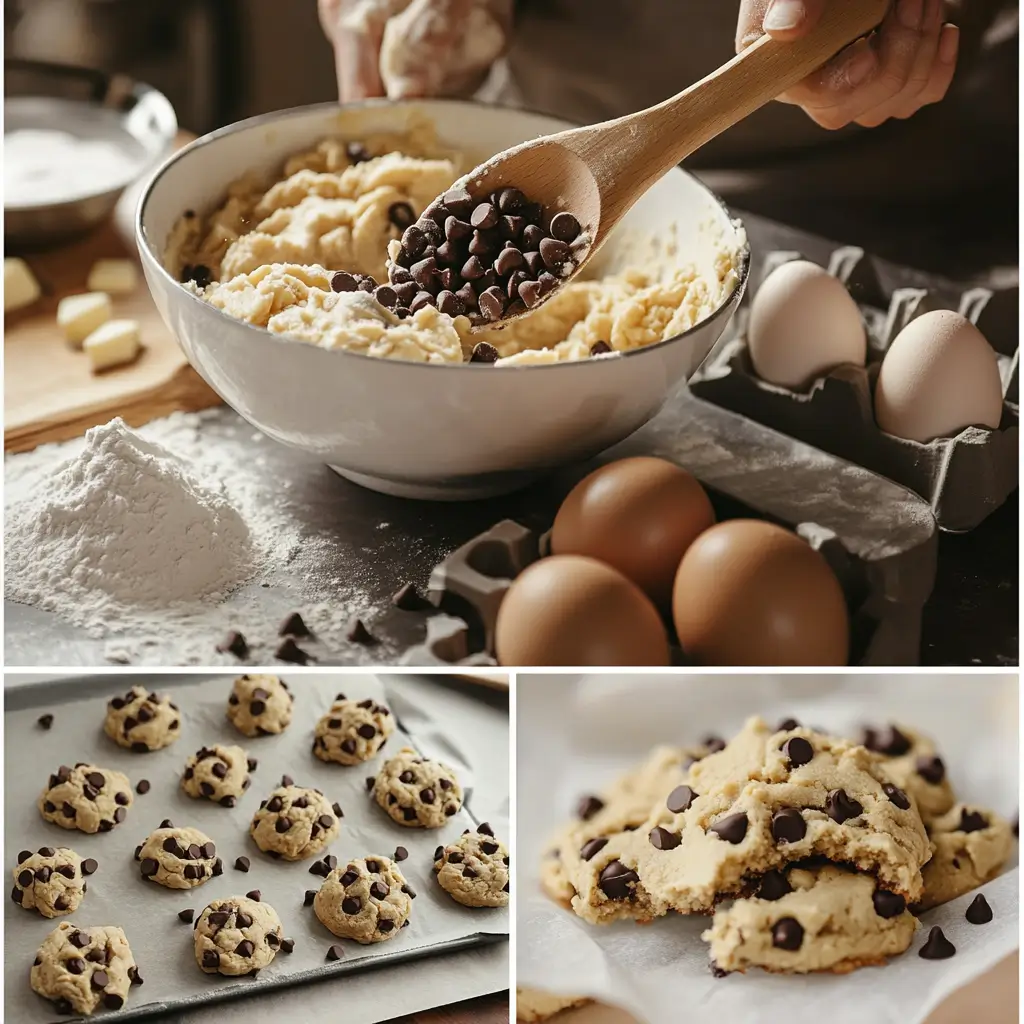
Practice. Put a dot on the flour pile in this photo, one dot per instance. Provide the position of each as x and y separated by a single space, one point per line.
123 523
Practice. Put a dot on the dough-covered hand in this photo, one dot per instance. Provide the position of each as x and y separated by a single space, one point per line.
907 63
355 29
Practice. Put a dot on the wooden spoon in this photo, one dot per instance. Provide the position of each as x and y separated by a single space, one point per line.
598 172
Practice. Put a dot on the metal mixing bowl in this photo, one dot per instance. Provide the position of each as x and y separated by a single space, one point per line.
89 105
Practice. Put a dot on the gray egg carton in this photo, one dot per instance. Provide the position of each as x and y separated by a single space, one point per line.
963 478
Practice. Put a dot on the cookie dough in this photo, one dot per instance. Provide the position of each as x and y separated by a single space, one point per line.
294 823
366 899
85 797
352 731
142 720
913 763
971 846
219 773
51 880
84 969
260 705
236 936
822 919
178 858
474 870
534 1005
417 792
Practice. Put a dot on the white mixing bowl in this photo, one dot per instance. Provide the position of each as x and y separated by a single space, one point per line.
413 429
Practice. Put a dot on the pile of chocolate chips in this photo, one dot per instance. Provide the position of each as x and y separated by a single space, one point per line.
484 259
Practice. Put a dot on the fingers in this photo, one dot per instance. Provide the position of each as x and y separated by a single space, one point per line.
356 45
781 19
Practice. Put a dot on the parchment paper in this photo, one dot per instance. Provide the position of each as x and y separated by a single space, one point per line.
575 734
162 945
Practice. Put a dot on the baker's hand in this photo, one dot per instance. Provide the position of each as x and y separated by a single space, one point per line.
907 63
355 29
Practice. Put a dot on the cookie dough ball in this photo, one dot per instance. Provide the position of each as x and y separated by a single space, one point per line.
971 846
84 969
85 797
474 869
260 705
142 721
294 823
178 858
534 1005
417 792
352 732
238 935
220 774
368 900
51 881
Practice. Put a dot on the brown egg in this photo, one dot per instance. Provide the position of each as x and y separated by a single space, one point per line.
751 593
569 610
637 515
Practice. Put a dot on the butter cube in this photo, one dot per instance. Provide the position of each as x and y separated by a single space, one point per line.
79 315
113 343
116 277
20 286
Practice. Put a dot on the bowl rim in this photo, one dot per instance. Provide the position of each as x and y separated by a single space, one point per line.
149 255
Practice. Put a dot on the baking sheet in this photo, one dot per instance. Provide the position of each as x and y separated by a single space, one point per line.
162 945
575 734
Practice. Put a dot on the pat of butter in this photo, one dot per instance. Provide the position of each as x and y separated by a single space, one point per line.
20 286
79 315
117 277
114 343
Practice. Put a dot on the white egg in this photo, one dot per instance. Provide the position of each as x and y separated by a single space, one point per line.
803 324
939 376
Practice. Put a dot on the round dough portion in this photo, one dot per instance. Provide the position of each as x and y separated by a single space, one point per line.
178 858
237 935
260 705
417 792
352 732
367 899
85 797
219 773
142 721
294 823
534 1005
474 870
84 969
51 881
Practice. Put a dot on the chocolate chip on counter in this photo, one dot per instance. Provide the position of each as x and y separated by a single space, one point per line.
616 879
44 721
972 821
788 825
89 866
254 894
797 751
680 799
731 828
888 741
788 934
896 796
186 916
888 904
774 885
234 643
227 801
307 900
336 807
289 651
241 863
407 598
979 912
401 853
149 867
589 849
143 787
937 946
662 839
931 769
287 945
293 626
840 806
588 806
370 781
335 952
357 633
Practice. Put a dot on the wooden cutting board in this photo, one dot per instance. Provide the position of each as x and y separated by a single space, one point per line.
50 393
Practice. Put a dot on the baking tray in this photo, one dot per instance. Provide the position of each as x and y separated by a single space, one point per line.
117 894
964 478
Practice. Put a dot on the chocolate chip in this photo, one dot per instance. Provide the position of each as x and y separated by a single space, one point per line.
379 891
143 787
44 721
788 934
282 825
335 952
356 152
508 260
289 651
564 226
492 303
370 781
211 959
774 885
888 741
255 895
488 848
96 780
484 353
555 254
76 965
89 866
336 807
199 274
896 796
386 926
713 744
972 821
245 948
307 900
293 626
67 810
788 825
888 904
840 806
62 904
979 912
45 851
149 867
79 939
937 946
510 200
931 769
287 945
787 725
680 799
731 828
616 879
186 916
43 874
26 878
228 801
588 806
663 839
400 853
407 598
357 633
797 751
218 918
401 214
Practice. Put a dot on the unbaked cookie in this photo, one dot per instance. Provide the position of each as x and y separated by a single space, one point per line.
971 846
367 899
533 1005
237 935
178 858
352 732
474 869
85 797
220 774
294 823
417 792
51 881
142 720
822 919
83 969
260 705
